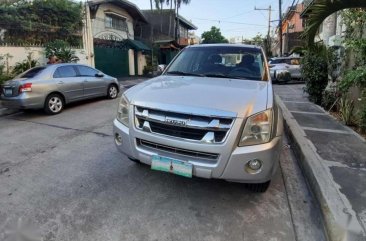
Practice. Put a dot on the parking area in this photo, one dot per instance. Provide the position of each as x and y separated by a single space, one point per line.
63 179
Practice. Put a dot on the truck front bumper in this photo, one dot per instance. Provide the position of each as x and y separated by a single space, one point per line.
231 166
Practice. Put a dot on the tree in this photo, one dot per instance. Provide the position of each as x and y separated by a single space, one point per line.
321 9
213 36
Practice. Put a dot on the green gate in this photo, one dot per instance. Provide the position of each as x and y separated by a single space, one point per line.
112 61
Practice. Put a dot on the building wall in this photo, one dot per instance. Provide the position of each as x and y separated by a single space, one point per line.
20 53
131 61
98 24
141 60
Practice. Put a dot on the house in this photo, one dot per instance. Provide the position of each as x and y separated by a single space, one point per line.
167 31
292 28
113 23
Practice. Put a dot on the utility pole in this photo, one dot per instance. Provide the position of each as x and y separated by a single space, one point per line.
280 26
269 9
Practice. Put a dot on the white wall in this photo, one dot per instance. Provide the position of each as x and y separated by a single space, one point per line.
20 53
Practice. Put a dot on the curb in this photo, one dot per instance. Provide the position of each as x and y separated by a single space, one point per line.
341 223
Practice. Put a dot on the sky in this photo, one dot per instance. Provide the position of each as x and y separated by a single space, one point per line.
235 18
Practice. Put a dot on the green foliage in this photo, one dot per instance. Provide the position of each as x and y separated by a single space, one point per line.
354 77
362 113
26 64
40 21
321 9
314 70
330 96
61 50
213 36
4 68
346 108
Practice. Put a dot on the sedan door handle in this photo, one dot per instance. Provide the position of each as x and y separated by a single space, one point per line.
60 82
85 80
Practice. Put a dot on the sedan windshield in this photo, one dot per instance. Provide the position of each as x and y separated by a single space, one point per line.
221 62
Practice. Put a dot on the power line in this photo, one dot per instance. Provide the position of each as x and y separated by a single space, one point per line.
220 21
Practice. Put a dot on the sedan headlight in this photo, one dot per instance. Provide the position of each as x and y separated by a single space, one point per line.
123 111
257 129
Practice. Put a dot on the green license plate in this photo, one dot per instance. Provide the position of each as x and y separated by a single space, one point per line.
166 164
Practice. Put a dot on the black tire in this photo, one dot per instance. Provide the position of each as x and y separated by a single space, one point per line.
134 160
258 187
112 91
54 104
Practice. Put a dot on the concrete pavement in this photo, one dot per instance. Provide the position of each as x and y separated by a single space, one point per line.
63 179
333 158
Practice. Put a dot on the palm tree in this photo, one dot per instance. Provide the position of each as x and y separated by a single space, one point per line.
321 9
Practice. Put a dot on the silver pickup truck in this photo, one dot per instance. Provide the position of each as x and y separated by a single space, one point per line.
211 114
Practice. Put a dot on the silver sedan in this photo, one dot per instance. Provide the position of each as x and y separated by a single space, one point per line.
51 87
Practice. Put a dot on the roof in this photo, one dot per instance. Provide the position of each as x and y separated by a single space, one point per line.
131 8
226 45
188 24
137 45
182 20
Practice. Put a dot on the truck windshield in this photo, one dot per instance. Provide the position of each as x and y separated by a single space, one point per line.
220 61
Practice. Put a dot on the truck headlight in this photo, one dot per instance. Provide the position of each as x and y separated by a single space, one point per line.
257 129
123 111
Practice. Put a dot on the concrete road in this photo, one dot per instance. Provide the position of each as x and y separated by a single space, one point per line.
61 178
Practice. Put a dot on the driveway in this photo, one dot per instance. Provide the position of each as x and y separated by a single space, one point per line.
63 179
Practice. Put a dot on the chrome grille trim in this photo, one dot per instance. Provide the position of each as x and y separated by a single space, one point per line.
204 129
178 151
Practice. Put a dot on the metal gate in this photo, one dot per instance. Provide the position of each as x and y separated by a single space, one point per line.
112 60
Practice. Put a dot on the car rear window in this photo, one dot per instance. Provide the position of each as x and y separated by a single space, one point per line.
65 72
32 72
86 71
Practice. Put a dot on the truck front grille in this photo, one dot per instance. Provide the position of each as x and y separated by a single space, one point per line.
203 129
177 151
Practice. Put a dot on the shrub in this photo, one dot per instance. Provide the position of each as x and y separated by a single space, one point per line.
330 96
61 50
362 113
346 107
314 70
26 64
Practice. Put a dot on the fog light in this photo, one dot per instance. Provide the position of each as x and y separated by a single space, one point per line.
118 139
255 164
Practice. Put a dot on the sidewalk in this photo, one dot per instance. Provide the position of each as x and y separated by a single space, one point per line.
333 159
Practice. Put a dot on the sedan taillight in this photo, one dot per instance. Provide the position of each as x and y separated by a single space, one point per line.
25 88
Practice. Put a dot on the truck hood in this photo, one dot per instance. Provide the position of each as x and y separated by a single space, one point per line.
198 95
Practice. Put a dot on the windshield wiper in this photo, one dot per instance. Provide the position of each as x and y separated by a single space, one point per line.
183 73
217 75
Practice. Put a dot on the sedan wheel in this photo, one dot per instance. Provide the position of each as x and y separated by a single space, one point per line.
54 104
112 92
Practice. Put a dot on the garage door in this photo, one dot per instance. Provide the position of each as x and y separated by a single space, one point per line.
112 61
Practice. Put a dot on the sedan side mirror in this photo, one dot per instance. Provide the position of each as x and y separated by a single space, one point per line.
99 75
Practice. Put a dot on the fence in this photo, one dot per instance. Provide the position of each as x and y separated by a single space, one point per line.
18 54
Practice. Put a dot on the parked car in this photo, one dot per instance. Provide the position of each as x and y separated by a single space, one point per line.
281 65
205 118
50 87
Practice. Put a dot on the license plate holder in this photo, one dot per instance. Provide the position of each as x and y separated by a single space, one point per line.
8 91
166 164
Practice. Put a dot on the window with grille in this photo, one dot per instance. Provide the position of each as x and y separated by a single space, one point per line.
115 22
